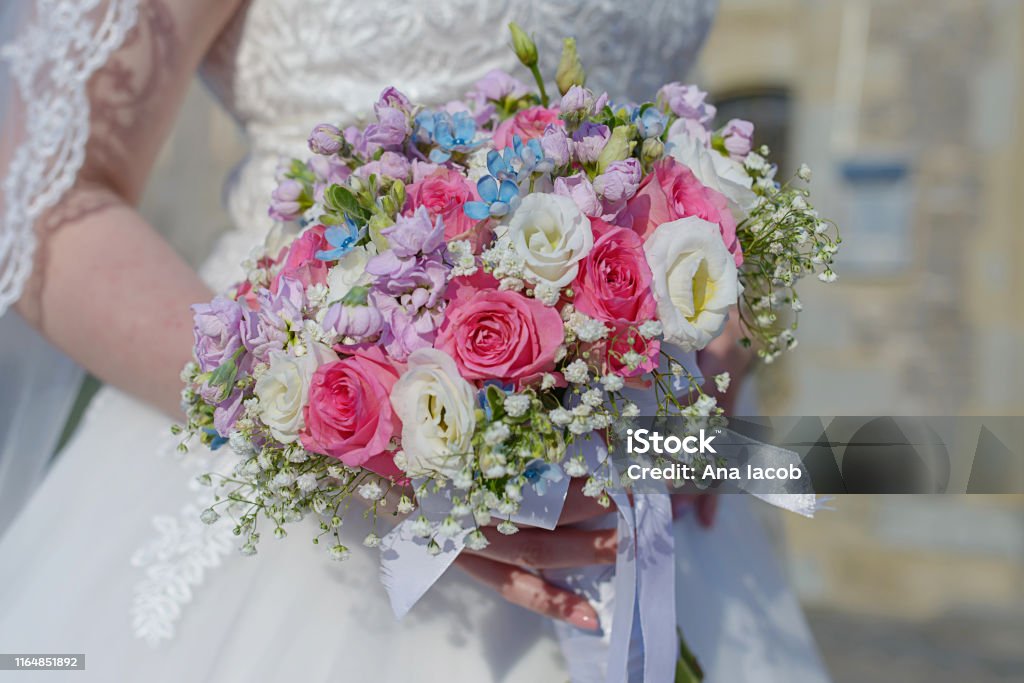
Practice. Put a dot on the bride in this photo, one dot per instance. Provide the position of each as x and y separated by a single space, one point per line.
109 558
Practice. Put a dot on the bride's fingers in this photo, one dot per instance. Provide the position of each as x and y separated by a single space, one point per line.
707 506
541 549
704 505
522 588
579 507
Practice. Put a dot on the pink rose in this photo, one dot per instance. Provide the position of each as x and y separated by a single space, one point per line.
614 280
527 124
443 193
494 334
625 338
301 262
670 192
349 415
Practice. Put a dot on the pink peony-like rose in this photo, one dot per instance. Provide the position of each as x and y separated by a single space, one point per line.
301 262
614 280
443 193
349 415
670 192
494 334
527 124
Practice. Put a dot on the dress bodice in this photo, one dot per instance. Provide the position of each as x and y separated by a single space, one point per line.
282 66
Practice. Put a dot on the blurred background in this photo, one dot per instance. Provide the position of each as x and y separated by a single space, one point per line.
909 113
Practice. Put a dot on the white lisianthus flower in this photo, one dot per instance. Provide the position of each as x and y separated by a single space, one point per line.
437 409
717 171
551 236
284 389
348 273
695 280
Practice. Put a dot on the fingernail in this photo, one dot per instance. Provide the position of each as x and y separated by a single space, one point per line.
583 616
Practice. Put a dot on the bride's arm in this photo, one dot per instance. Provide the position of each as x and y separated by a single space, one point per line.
106 288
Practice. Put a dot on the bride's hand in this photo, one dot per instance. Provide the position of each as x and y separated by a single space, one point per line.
509 563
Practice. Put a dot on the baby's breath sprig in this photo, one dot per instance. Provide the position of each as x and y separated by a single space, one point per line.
784 239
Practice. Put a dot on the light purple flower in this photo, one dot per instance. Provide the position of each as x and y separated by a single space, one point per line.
555 144
588 141
325 140
284 200
413 234
578 188
391 129
739 138
392 98
406 327
358 322
357 138
620 180
226 414
688 102
266 329
390 165
216 329
496 85
691 128
417 281
577 100
328 171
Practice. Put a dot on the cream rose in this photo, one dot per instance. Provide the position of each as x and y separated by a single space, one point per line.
551 235
437 409
715 170
284 389
694 282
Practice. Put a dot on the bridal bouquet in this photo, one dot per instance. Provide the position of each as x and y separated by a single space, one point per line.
454 296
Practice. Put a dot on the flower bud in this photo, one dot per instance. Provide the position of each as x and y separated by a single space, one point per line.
738 138
523 45
619 146
577 99
325 140
570 71
652 150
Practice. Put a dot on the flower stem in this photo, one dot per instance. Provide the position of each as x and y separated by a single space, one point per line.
535 70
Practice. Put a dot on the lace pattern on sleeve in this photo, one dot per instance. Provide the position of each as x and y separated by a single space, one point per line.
56 50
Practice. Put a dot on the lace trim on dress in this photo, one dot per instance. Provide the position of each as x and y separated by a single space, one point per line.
52 59
176 560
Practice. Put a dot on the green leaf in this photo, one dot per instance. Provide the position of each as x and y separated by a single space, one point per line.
377 223
340 198
687 668
357 296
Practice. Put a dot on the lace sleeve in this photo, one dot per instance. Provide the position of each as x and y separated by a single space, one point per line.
50 49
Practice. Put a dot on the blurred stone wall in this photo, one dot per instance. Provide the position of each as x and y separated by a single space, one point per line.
925 319
903 588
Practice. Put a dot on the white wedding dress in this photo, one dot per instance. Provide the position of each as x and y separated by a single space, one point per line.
109 558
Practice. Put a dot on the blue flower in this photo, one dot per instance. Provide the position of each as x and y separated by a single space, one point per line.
508 168
650 123
498 199
216 440
342 238
451 133
481 396
519 161
541 473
